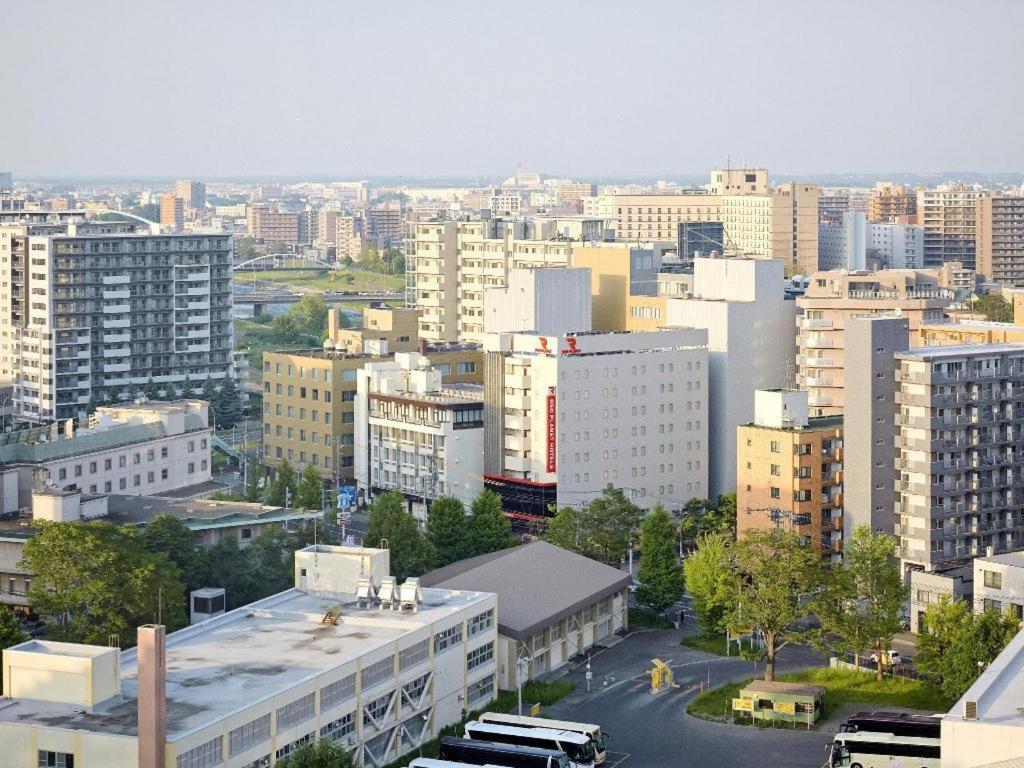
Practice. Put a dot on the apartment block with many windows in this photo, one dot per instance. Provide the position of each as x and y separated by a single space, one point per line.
1000 245
949 215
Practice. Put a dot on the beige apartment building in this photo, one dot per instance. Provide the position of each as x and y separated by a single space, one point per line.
949 215
271 225
347 241
1000 243
833 297
172 211
456 261
967 332
892 204
395 326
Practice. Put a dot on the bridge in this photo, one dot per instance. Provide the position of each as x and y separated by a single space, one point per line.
260 299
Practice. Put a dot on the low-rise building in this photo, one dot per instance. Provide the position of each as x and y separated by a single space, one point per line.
397 326
248 687
929 588
541 629
999 584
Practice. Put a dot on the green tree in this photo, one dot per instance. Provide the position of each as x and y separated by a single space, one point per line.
94 580
210 396
284 479
861 605
725 514
166 534
411 553
994 308
322 754
660 575
310 315
10 634
566 529
775 574
151 390
612 525
229 403
711 582
253 492
227 565
447 530
309 494
489 529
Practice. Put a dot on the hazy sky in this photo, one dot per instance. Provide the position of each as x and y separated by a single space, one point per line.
214 88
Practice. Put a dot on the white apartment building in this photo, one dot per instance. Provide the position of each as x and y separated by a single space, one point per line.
566 415
133 449
999 584
414 435
741 305
377 676
859 244
506 203
961 427
90 307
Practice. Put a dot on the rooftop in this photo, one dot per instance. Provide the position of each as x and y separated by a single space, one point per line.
536 584
959 350
999 692
231 662
195 513
1015 559
456 394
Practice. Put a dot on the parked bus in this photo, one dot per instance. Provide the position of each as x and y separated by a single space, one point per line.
882 750
487 753
431 762
578 747
591 731
896 723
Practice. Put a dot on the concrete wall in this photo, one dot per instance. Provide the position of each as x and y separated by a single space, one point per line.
1010 595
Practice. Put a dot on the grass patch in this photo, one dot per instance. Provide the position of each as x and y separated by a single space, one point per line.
645 618
533 692
842 686
321 280
714 644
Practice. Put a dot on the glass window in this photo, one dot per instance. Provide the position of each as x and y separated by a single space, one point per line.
480 623
479 656
377 672
204 756
447 638
337 692
296 712
413 655
245 736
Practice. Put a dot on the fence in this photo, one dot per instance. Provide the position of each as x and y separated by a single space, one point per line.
864 664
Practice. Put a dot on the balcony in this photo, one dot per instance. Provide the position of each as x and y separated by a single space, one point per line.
812 380
116 280
116 338
117 296
819 362
112 323
818 343
815 324
117 309
116 367
818 401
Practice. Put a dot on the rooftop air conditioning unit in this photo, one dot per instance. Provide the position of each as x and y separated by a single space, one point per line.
970 710
388 594
365 592
409 594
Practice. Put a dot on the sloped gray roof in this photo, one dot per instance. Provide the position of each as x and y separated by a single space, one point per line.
537 584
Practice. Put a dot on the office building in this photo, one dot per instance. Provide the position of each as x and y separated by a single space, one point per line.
739 181
741 305
192 194
958 446
892 204
545 300
949 215
835 296
542 627
172 211
273 226
789 471
378 680
91 310
855 243
565 415
869 420
1000 245
415 435
309 395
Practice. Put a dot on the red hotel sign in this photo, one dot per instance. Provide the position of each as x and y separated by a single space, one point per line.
552 427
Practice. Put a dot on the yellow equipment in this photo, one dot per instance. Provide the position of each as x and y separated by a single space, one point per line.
661 676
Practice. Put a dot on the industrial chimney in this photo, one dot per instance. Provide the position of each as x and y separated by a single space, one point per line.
151 655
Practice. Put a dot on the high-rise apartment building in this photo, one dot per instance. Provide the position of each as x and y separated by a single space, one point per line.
566 415
949 215
959 453
853 242
832 298
347 241
172 211
1000 245
789 471
892 203
383 225
572 193
90 309
869 420
273 226
192 194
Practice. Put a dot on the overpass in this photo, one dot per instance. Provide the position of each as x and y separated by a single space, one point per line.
260 299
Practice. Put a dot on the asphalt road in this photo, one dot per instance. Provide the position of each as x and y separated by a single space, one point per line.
652 731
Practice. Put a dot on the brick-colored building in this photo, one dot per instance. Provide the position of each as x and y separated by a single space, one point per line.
893 204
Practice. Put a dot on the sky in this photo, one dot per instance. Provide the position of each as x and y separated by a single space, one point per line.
339 88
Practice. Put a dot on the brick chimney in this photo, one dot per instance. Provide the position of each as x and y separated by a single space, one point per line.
151 655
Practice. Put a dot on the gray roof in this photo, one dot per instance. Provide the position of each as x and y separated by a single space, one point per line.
537 584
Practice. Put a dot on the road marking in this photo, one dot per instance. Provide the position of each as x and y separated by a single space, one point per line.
671 666
618 761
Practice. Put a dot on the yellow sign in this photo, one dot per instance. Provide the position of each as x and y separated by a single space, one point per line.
786 709
535 710
746 705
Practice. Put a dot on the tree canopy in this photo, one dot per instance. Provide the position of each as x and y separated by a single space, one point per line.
10 634
489 529
284 480
710 582
309 494
411 553
448 530
602 529
322 754
660 576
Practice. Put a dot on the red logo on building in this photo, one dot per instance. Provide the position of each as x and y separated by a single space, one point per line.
552 429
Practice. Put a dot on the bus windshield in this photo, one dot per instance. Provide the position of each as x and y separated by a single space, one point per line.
580 753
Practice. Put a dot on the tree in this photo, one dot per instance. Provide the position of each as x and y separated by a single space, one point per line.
447 530
227 565
994 308
210 396
776 572
95 580
229 403
253 491
151 390
322 754
862 603
10 634
710 582
660 575
700 517
566 529
284 479
725 514
165 534
411 553
612 525
309 494
489 529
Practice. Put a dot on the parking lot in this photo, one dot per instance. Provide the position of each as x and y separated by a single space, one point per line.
649 731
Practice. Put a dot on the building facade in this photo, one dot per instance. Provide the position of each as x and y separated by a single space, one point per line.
949 215
1001 239
192 194
999 584
892 203
273 226
853 242
172 211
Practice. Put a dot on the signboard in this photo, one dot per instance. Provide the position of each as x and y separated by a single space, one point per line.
786 709
745 705
346 496
535 710
552 429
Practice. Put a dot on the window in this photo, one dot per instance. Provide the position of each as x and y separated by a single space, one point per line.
775 493
57 759
376 710
447 638
336 730
377 672
245 736
203 756
774 446
479 656
480 623
993 579
287 749
775 470
296 712
413 655
414 690
465 367
480 692
163 452
337 692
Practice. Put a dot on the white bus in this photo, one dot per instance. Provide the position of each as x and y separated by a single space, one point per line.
883 750
433 762
578 748
591 731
